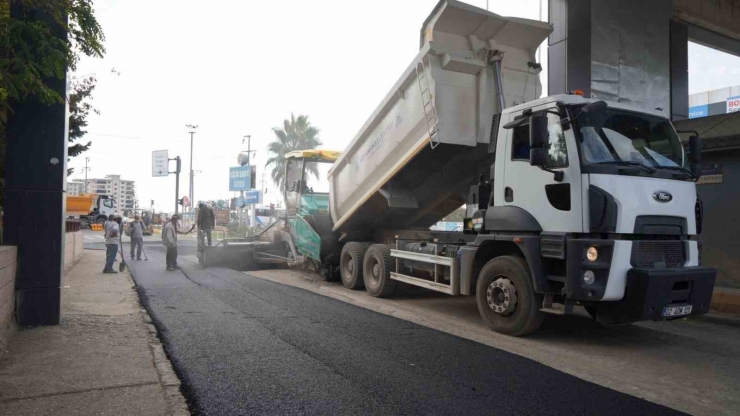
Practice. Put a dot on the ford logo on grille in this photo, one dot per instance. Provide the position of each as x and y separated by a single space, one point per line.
662 196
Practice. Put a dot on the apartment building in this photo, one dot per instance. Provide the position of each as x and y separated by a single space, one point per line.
76 187
123 191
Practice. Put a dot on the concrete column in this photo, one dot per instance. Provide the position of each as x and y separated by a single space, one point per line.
35 185
569 52
679 48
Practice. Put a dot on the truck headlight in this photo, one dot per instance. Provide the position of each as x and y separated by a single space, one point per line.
592 254
589 277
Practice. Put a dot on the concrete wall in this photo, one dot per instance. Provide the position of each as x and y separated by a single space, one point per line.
73 246
8 264
721 228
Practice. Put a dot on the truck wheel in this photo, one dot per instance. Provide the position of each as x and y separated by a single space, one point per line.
100 221
592 310
350 265
84 223
506 298
376 271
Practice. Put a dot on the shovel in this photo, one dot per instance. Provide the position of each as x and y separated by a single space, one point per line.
122 264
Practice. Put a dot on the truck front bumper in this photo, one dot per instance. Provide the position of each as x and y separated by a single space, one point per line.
649 291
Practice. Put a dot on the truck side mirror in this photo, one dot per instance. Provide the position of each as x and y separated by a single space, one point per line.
594 107
537 156
695 149
538 134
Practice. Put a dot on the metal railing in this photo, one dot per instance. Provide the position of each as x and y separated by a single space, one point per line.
72 226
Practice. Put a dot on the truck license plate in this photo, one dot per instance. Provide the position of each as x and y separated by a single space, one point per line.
676 311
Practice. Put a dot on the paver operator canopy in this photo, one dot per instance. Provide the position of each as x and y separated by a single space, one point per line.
411 162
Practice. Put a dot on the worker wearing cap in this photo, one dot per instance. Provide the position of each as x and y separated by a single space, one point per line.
112 231
169 239
137 237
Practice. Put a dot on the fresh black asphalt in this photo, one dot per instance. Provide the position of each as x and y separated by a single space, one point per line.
242 345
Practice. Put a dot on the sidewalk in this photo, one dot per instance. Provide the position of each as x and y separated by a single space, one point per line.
104 358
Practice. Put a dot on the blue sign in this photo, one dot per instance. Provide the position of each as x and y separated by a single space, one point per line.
240 202
240 178
699 111
252 197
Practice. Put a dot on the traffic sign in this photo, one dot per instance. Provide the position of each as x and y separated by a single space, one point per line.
240 178
160 163
185 201
240 202
252 197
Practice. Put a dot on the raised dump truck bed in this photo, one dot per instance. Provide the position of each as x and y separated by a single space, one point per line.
411 163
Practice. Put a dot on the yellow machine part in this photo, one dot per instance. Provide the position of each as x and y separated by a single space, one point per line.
317 154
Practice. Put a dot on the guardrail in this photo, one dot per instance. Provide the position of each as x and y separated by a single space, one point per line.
72 226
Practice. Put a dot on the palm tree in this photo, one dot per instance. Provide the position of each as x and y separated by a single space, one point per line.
296 134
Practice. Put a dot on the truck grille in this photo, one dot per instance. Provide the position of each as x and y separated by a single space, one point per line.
658 254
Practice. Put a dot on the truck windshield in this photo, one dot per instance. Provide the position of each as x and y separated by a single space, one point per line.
316 177
622 137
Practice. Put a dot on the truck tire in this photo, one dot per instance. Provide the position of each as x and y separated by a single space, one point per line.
506 298
376 271
350 265
100 221
84 223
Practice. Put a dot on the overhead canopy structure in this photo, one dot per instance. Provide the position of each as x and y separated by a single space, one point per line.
718 132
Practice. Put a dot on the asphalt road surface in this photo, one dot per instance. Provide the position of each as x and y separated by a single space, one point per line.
243 345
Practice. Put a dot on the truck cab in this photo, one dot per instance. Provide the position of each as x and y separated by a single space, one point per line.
600 204
307 203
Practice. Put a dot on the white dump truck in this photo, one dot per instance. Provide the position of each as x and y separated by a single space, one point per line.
570 201
89 208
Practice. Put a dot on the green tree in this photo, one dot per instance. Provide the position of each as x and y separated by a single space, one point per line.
79 108
296 134
32 52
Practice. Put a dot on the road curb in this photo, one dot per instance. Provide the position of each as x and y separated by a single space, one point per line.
177 406
726 300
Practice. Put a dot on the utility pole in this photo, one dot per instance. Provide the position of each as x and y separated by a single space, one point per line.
248 137
192 187
177 182
87 159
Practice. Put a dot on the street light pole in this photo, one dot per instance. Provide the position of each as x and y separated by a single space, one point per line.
192 187
87 159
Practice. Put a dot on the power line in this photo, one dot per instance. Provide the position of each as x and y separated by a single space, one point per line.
727 118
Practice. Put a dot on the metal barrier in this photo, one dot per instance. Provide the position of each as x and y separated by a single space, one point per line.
72 226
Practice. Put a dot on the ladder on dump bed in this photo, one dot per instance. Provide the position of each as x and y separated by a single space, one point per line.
427 102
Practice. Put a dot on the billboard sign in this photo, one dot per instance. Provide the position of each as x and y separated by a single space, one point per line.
710 174
240 178
699 111
733 104
160 163
223 216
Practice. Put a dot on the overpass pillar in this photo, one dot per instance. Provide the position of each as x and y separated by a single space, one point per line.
35 183
615 50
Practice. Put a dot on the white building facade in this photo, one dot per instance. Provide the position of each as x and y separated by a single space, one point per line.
123 191
76 187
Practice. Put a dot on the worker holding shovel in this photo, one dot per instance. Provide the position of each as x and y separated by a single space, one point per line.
136 232
112 232
169 239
